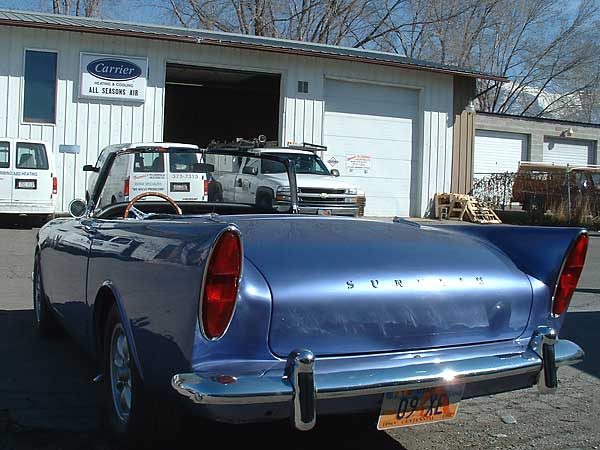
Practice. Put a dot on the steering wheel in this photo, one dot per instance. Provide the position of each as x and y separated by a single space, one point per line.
142 215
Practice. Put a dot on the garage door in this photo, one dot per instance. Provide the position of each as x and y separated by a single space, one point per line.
574 152
498 152
371 132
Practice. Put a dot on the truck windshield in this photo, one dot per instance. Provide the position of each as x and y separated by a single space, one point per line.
304 163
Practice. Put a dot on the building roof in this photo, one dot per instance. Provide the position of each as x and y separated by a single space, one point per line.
179 34
540 119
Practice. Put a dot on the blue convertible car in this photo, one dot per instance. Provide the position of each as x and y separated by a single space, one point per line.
246 314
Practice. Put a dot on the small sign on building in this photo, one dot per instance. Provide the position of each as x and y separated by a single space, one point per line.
358 163
113 77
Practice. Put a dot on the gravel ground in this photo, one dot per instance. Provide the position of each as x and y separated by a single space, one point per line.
47 400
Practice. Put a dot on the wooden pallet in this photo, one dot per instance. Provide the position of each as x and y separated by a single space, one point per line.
450 206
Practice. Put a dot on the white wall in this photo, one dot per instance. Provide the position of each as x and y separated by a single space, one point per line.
94 124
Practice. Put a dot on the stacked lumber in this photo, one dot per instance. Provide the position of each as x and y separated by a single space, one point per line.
449 206
361 200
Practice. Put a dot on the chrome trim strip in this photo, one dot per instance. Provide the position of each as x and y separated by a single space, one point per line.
325 195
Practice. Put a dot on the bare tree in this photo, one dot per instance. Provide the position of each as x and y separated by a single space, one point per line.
87 8
550 52
350 22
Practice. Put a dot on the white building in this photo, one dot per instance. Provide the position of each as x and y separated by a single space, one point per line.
503 140
89 83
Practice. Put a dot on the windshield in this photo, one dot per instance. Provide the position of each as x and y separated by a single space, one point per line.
304 163
197 181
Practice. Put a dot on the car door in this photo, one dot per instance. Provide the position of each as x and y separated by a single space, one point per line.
32 175
67 258
6 178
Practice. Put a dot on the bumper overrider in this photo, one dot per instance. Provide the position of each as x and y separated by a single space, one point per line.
302 388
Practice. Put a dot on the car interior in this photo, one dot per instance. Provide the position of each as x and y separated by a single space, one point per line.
164 210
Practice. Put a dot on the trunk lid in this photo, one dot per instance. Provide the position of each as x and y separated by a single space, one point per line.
347 286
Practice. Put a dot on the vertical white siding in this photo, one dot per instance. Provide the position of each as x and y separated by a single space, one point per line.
94 124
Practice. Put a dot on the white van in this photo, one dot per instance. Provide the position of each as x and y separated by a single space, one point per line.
163 170
28 183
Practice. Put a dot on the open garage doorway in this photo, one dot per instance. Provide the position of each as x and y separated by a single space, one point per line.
203 104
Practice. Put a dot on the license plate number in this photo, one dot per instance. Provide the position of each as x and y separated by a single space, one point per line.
180 187
26 184
420 406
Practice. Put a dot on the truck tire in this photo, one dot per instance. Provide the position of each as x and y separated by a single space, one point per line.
264 200
215 192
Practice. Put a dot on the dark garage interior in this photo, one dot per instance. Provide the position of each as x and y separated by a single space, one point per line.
203 104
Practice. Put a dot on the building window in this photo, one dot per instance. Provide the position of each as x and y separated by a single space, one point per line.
4 155
303 87
39 99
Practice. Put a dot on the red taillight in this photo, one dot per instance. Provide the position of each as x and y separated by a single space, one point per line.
54 185
221 284
569 276
205 188
126 188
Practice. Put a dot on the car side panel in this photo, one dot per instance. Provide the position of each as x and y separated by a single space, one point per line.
64 248
157 273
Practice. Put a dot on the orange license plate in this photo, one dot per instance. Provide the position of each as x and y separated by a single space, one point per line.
419 406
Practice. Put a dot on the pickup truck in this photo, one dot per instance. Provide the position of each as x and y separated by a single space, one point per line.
265 182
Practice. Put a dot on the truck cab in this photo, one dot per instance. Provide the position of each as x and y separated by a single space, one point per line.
264 182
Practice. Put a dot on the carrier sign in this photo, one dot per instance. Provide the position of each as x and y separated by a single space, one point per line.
113 77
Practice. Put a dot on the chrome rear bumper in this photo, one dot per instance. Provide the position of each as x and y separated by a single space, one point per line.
301 386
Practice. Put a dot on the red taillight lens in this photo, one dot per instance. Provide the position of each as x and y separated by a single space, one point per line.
567 281
126 188
205 188
54 185
221 284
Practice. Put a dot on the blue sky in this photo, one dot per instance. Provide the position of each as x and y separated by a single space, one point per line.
154 11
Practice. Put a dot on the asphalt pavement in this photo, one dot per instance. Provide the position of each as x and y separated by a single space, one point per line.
48 400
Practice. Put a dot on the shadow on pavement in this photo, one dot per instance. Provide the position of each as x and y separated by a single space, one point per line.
588 290
582 328
16 222
47 401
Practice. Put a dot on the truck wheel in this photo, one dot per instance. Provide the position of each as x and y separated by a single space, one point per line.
44 319
134 416
215 192
264 202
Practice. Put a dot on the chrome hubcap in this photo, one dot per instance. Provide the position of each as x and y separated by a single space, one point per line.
120 373
37 296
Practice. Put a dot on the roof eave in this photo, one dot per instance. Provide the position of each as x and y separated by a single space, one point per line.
248 46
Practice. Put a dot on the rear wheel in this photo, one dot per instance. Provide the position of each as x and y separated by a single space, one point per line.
133 415
44 319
